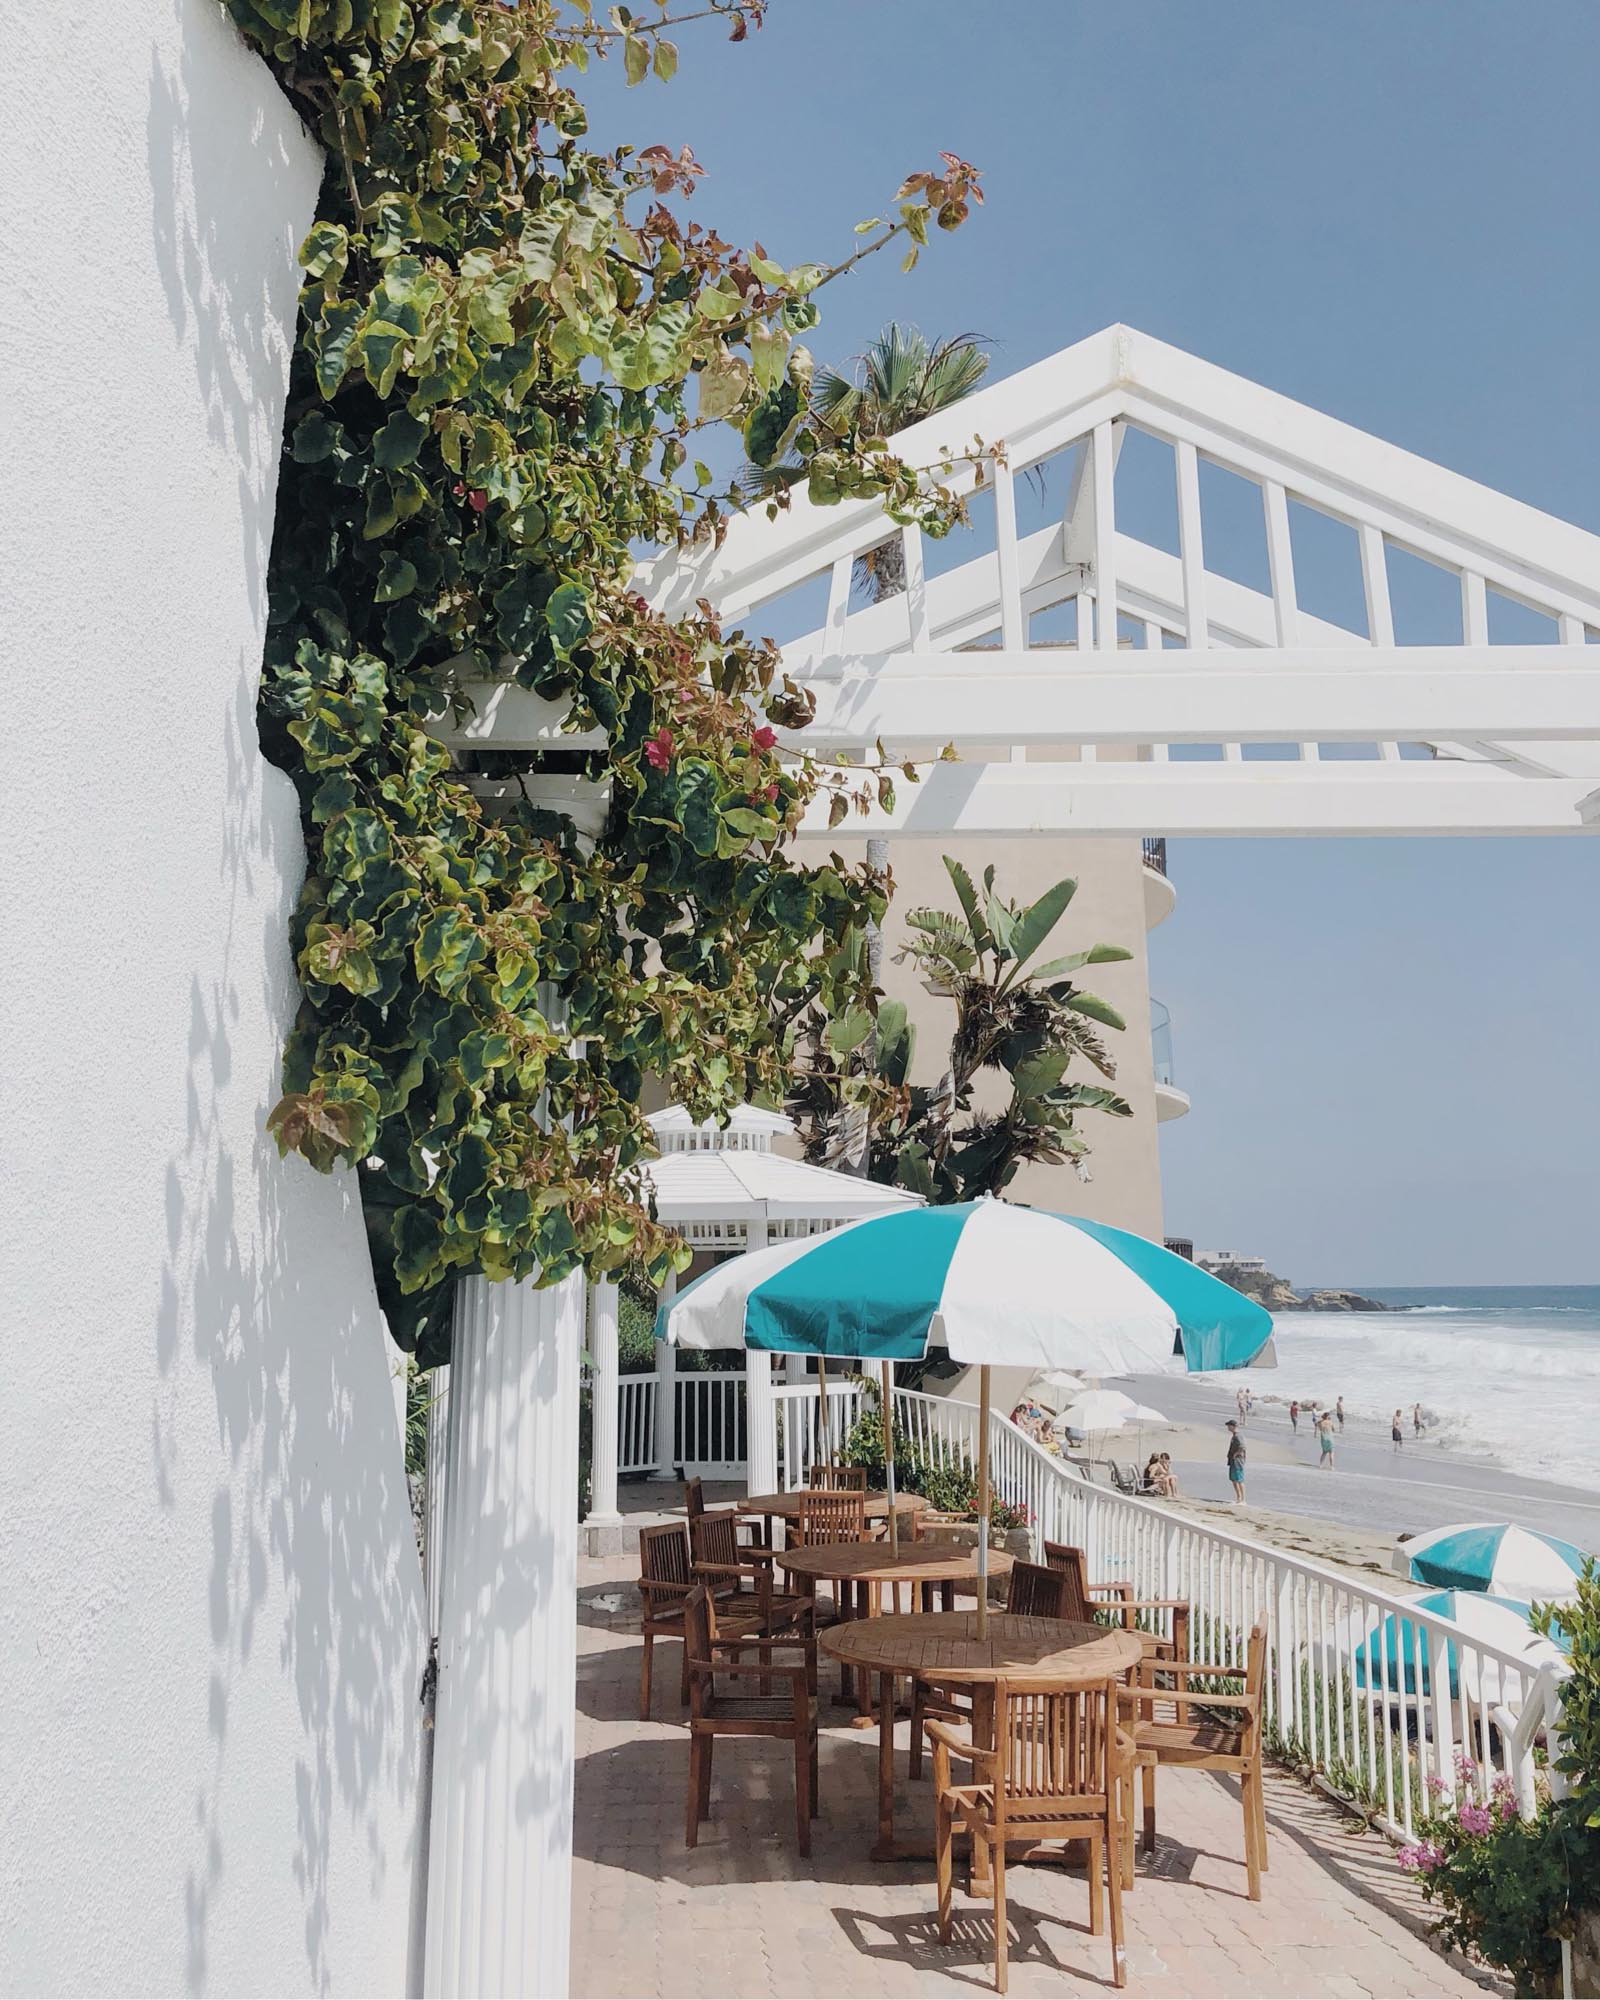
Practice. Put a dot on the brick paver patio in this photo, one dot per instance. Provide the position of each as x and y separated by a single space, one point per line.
743 1915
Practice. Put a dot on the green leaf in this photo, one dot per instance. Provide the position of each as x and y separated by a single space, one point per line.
332 342
567 617
848 1031
325 251
382 350
447 950
396 578
718 302
665 60
314 439
1096 1009
968 897
769 350
635 59
399 441
1061 968
772 423
1036 922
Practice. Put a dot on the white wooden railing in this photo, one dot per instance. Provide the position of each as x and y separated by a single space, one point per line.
636 1423
1376 1723
1448 1696
709 1431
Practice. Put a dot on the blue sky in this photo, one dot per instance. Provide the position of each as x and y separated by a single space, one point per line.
1390 213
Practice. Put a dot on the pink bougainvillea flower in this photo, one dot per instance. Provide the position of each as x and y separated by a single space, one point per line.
763 738
658 750
477 499
770 792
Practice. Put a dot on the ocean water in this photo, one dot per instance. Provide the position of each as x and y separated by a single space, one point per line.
1509 1374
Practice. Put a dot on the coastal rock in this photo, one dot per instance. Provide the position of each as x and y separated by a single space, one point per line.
1278 1295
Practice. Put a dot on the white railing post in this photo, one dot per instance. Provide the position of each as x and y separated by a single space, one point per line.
666 1453
1438 1702
605 1394
500 1833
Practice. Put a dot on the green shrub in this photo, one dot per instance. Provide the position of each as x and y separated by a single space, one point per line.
1511 1889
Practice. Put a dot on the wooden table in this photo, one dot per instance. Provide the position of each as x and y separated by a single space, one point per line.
862 1570
944 1646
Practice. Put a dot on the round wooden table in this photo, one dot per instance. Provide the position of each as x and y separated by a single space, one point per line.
944 1646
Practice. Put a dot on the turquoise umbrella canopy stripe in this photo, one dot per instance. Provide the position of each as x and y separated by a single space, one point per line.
866 1293
1218 1327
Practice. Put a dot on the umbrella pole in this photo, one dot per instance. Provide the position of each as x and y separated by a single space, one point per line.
888 1457
827 1428
983 1503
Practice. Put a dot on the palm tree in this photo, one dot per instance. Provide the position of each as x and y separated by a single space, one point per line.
900 379
1015 1020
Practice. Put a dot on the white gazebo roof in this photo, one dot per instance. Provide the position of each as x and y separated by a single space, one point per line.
711 1174
1179 699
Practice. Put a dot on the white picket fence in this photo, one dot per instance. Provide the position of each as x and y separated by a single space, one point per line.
709 1428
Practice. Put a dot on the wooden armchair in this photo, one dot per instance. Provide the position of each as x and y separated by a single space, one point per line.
1206 1732
739 1579
790 1716
666 1578
1056 1773
1032 1593
1117 1598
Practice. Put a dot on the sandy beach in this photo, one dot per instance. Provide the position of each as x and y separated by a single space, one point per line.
1352 1515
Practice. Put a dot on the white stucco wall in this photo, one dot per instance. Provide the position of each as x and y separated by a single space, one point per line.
210 1605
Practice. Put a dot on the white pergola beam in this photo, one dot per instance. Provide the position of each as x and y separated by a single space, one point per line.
1415 694
1271 798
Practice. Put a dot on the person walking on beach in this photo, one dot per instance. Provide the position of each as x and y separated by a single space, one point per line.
1325 1440
1338 1411
1294 1417
1416 1419
1242 1406
1397 1436
1236 1456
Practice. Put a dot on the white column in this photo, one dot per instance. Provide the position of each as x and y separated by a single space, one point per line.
666 1451
604 1394
760 1405
500 1839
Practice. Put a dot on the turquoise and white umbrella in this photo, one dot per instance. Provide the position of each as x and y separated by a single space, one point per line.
992 1283
1394 1654
1493 1556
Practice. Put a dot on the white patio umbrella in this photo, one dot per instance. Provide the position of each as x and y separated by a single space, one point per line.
1055 1387
1107 1410
994 1284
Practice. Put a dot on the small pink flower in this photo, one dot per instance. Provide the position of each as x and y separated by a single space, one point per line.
658 750
763 738
1435 1785
1475 1819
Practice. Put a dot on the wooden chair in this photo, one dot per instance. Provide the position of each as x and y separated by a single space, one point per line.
1056 1773
666 1577
790 1716
1117 1599
831 1515
1033 1592
1206 1732
838 1478
739 1579
757 1534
